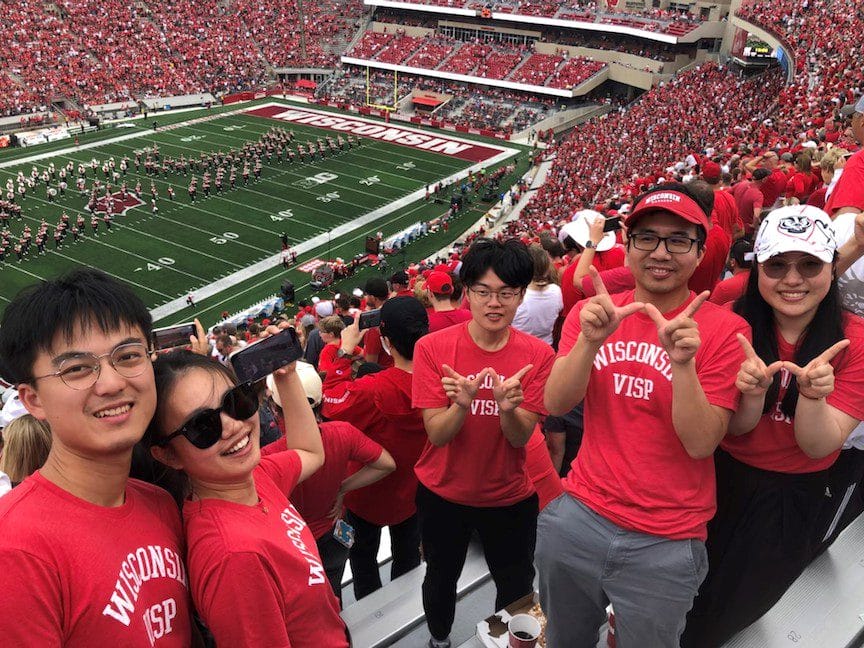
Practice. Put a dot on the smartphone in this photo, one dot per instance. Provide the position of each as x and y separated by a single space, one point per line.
260 359
169 337
369 319
612 224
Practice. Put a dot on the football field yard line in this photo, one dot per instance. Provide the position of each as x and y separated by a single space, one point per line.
318 241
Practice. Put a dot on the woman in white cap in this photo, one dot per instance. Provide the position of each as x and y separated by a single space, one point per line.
254 569
802 393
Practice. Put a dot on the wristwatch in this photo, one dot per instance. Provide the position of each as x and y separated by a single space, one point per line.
590 245
341 353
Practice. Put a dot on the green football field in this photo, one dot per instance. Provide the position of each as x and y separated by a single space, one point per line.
224 250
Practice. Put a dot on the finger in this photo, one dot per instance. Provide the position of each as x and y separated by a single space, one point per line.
655 315
794 369
749 351
448 371
524 370
773 368
629 309
696 304
599 286
833 350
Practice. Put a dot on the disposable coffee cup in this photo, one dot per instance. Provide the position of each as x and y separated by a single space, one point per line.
524 630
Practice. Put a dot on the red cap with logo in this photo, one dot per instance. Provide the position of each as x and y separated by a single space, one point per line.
671 201
439 283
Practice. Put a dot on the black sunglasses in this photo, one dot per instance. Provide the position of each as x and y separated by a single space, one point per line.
205 428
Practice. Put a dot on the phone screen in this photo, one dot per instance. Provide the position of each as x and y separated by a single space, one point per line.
613 223
169 337
369 319
260 359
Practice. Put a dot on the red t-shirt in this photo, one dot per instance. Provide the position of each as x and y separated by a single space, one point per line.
772 187
632 468
616 280
725 213
545 478
380 405
612 258
344 445
730 289
478 467
76 574
442 319
255 572
372 345
328 356
817 198
748 198
849 190
707 273
771 444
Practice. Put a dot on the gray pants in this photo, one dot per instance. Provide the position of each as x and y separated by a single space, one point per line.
586 562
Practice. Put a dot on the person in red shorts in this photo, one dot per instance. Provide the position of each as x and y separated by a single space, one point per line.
87 555
802 389
380 405
656 368
480 387
254 569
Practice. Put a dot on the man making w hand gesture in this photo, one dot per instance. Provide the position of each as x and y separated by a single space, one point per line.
656 368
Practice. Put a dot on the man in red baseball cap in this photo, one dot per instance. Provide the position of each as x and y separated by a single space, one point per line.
442 296
656 368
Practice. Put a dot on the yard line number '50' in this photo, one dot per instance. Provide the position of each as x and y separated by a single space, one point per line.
226 236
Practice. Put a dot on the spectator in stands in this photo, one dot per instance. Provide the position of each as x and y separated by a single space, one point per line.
26 443
740 262
796 411
377 292
848 195
749 199
400 284
77 347
801 183
352 461
444 309
479 385
542 304
725 212
254 570
656 370
716 250
775 183
330 328
380 405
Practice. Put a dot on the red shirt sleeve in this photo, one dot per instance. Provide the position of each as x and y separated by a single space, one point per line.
282 467
616 280
352 401
327 356
241 603
30 601
426 388
363 449
849 191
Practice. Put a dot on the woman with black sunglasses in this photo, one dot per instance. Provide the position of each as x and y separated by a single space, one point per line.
254 569
802 393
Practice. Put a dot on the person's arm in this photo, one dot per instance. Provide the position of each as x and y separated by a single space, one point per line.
853 248
820 429
443 423
699 425
517 424
301 429
753 381
368 474
598 319
556 444
586 259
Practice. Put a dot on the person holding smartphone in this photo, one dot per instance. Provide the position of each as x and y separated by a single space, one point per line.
254 569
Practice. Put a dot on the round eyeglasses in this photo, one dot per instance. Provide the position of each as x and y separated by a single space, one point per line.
82 370
674 244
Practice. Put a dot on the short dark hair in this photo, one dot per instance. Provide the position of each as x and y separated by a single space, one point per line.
509 260
739 251
377 287
83 297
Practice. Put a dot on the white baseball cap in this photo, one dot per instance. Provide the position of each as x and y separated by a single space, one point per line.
798 228
578 230
12 409
311 384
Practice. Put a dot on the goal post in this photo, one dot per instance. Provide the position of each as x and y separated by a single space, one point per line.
369 98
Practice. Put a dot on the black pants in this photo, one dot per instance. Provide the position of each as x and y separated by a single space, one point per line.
508 535
404 544
764 535
844 483
334 555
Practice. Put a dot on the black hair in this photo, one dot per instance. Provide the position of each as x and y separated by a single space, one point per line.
83 297
705 201
824 330
740 248
377 287
509 260
168 369
403 322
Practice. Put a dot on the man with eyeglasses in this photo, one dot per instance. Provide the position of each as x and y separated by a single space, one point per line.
480 387
87 555
656 367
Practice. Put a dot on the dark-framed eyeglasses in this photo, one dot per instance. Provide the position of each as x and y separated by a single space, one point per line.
81 370
204 428
648 242
505 295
